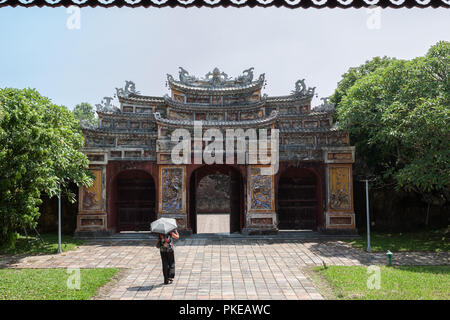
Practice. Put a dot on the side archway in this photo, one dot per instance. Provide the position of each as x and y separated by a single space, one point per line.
298 199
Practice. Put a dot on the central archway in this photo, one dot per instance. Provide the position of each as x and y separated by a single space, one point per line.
234 195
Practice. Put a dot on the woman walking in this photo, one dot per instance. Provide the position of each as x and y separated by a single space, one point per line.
165 245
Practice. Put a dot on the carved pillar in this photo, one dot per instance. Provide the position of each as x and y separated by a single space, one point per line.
339 210
260 210
172 194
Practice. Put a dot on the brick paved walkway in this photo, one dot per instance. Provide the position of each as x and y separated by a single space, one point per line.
213 223
218 269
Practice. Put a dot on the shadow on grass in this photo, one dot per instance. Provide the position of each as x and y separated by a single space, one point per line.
445 270
425 241
37 247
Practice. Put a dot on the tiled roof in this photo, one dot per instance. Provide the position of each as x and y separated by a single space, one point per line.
132 98
219 123
228 88
305 115
96 129
120 114
306 130
212 107
289 98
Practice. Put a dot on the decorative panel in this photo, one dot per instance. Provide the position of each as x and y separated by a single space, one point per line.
96 157
340 187
122 124
89 222
292 110
216 116
147 125
325 123
264 221
247 116
172 189
340 156
311 124
200 116
116 154
338 140
304 108
91 198
322 140
180 115
260 190
340 220
133 154
144 110
110 141
132 141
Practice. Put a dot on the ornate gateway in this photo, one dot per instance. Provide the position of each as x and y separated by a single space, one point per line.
137 179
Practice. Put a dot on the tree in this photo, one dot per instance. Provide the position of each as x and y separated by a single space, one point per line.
398 118
356 73
40 146
85 111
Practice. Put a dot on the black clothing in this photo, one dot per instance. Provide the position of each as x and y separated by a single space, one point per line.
168 265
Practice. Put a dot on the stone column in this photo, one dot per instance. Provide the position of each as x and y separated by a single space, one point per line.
339 213
260 214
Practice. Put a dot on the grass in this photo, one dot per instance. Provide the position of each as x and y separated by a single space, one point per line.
51 284
49 246
396 283
430 241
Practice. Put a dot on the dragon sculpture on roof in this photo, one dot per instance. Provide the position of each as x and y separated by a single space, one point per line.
302 90
247 76
185 77
130 88
326 105
106 106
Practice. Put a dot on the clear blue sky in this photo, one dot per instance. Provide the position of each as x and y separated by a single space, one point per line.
113 45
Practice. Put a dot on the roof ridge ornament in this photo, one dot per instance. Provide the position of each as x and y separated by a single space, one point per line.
301 90
106 106
216 78
85 124
185 77
130 88
247 76
326 105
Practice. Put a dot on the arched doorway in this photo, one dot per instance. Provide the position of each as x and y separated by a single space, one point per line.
297 200
228 187
213 204
135 203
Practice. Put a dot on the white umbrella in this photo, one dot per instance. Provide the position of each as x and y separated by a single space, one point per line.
163 225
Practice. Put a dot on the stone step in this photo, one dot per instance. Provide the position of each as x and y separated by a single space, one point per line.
303 234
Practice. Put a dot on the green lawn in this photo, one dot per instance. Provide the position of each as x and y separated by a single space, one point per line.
396 283
51 284
434 241
49 246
